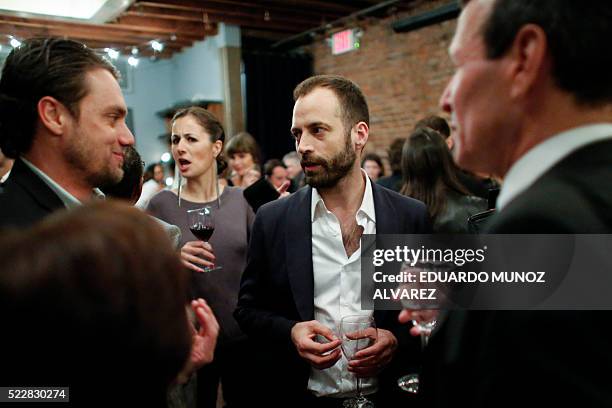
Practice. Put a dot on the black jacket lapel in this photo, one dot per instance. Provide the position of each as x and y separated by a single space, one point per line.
298 253
34 186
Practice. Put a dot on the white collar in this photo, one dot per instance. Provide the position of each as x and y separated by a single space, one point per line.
541 158
68 199
367 202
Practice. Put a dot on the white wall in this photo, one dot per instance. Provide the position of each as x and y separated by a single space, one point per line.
195 73
151 91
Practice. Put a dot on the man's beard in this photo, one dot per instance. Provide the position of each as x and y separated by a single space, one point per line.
332 170
82 157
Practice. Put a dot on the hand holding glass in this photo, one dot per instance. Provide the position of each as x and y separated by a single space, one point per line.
202 225
357 333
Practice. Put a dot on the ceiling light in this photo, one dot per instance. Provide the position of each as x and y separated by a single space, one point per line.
133 61
15 42
84 9
113 54
134 51
157 46
165 157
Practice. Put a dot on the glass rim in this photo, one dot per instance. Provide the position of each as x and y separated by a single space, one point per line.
355 316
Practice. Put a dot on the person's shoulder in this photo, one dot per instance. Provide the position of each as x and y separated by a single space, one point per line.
470 201
555 205
235 195
163 196
276 208
397 199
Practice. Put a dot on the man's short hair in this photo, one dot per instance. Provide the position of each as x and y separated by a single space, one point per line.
37 68
353 105
574 31
436 123
395 154
271 165
291 156
129 188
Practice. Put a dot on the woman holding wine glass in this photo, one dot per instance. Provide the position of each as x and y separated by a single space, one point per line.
197 144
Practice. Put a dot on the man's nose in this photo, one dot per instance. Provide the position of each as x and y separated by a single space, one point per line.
304 144
126 138
445 99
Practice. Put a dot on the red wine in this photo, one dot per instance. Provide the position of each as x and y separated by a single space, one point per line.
203 233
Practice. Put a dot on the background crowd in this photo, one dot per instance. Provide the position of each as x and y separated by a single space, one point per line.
104 285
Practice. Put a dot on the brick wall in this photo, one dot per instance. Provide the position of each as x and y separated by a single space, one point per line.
401 74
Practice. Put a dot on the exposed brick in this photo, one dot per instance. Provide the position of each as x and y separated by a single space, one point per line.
401 74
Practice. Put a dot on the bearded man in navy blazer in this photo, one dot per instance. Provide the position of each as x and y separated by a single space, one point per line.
303 270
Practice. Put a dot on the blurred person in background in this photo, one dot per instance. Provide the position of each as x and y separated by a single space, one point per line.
96 309
394 181
431 176
153 182
294 170
276 173
130 187
373 165
478 185
243 154
251 176
197 145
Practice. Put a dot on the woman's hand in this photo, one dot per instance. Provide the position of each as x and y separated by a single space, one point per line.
195 253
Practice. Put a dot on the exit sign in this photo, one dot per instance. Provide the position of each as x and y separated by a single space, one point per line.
344 41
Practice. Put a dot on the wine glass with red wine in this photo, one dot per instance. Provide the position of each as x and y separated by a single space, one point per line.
202 225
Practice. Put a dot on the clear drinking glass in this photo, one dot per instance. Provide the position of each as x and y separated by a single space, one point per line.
202 224
357 333
427 317
410 382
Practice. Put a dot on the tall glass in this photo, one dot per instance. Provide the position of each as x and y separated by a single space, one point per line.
426 317
357 333
410 382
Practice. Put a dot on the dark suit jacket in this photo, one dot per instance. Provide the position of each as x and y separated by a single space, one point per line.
277 286
25 198
534 358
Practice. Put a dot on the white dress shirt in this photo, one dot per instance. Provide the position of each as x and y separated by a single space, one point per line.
337 288
541 158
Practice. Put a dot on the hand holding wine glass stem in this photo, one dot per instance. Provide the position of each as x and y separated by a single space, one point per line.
197 253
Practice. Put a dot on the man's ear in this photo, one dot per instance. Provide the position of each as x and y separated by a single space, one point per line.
53 115
529 57
360 134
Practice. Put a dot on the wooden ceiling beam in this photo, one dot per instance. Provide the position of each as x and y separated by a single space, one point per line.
177 27
25 31
218 13
310 4
95 29
286 7
128 47
152 14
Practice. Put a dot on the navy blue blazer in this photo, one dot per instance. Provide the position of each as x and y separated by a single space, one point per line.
277 288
